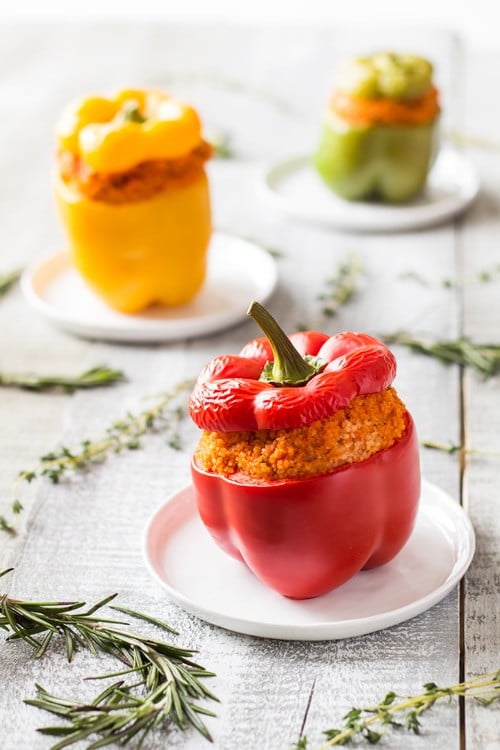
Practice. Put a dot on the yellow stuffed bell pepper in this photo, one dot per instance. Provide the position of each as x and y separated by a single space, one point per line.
133 196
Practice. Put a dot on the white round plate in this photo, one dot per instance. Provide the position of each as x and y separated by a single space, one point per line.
238 272
181 555
294 187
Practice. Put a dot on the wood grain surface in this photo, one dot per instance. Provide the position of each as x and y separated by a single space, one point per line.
82 538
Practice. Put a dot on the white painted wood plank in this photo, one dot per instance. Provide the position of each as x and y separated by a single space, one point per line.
482 400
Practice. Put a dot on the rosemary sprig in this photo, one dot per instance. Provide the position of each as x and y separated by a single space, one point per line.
484 358
338 289
167 687
165 415
94 378
371 723
7 280
453 448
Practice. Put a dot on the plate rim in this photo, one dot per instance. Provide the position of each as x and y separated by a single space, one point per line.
318 631
152 330
350 224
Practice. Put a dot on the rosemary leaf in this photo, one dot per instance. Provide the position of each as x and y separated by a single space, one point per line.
370 723
7 280
94 378
168 687
147 618
484 358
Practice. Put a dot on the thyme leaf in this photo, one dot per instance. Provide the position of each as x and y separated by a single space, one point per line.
167 687
484 358
221 142
337 291
96 377
7 280
6 526
392 711
414 276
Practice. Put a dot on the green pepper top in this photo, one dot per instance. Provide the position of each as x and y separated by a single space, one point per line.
386 75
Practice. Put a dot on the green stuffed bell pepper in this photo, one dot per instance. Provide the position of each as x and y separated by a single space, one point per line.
380 134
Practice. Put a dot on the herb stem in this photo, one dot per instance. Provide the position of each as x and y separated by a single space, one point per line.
484 688
452 448
167 690
165 414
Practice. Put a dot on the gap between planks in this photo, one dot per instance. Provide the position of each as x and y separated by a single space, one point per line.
460 273
306 712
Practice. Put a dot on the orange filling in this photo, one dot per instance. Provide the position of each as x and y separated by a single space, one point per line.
369 424
137 184
358 111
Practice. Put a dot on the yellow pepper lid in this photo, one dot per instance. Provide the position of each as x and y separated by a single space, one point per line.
115 134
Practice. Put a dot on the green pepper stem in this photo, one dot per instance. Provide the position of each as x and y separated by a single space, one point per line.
289 367
130 112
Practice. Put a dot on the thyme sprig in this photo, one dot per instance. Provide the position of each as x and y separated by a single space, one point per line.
164 414
474 141
221 141
272 250
453 448
395 712
484 358
167 683
338 290
96 377
233 85
7 280
414 276
341 287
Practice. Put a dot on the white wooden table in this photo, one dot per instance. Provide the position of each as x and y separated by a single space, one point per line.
82 537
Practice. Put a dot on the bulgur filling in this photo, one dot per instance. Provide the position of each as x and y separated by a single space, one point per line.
137 184
368 425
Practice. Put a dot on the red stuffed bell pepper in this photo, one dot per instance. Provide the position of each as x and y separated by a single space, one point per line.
308 466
